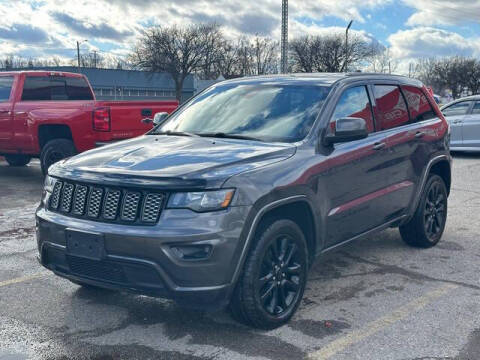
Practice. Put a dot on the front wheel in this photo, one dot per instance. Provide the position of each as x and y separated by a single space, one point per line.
272 285
426 227
55 150
17 159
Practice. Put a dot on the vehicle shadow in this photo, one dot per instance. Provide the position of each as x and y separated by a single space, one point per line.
162 325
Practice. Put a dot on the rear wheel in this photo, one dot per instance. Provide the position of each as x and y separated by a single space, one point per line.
427 225
54 151
272 285
17 159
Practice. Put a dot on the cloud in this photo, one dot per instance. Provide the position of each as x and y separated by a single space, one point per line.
261 24
26 34
88 29
424 42
443 12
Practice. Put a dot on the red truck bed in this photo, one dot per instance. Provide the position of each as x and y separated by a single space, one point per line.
52 115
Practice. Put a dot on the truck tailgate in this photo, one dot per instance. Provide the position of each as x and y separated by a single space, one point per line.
126 116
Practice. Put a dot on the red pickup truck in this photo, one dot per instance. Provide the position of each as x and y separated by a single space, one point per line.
54 115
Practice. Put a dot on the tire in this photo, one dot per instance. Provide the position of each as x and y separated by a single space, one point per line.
426 227
281 243
56 150
17 160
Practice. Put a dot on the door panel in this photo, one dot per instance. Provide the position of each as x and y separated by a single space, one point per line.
392 116
354 181
6 117
455 115
471 128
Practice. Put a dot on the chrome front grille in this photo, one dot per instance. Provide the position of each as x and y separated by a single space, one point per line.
106 204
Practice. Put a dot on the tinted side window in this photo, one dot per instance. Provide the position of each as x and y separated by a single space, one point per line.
418 104
78 89
5 87
355 102
55 88
476 108
391 107
460 108
36 88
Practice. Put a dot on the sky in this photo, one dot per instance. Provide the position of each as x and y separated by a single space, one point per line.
410 28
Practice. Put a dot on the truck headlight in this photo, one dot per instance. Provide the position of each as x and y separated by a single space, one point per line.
49 184
201 201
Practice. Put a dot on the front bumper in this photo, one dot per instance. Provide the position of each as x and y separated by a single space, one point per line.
140 259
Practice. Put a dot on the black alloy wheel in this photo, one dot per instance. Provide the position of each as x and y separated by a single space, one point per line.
434 213
280 279
425 228
271 287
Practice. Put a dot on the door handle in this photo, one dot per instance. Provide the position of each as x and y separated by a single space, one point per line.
20 113
419 134
379 145
457 121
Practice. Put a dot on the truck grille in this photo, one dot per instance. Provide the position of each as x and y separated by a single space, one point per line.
106 204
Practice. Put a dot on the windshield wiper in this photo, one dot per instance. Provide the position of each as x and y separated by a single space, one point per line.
228 136
175 133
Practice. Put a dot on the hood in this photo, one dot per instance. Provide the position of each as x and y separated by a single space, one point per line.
172 160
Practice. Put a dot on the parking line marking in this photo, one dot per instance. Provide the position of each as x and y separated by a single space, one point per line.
20 279
375 326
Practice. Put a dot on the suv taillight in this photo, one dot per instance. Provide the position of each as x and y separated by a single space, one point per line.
101 119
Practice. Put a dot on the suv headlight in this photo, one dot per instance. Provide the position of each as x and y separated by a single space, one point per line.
201 201
49 184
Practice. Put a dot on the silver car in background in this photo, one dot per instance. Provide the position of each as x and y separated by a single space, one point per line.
463 115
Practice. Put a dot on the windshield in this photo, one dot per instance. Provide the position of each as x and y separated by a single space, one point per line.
267 112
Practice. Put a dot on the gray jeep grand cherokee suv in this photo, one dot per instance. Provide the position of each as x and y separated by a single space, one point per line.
232 197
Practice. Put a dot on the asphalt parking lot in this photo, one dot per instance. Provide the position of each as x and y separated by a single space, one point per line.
375 299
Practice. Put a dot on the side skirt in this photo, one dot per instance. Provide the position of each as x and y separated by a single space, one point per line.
365 234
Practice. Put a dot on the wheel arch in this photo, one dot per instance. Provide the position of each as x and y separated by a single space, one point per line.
442 169
296 208
49 132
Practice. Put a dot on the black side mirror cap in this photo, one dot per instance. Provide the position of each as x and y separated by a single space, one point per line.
347 129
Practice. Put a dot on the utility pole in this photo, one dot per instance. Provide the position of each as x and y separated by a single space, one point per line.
78 55
284 45
346 46
95 59
78 52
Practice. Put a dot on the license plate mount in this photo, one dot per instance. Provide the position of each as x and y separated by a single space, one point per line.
85 244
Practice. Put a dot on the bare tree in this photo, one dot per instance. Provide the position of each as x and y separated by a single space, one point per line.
328 53
265 55
178 51
380 60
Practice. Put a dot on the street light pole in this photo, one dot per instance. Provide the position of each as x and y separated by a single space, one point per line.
78 52
346 46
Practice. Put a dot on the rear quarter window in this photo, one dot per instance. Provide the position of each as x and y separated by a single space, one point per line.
418 104
5 87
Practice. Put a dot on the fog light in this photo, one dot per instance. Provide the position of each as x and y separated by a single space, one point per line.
192 252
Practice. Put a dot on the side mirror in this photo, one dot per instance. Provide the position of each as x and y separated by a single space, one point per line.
347 129
159 118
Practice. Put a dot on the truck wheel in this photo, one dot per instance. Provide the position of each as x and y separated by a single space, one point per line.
55 150
427 225
275 273
17 160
